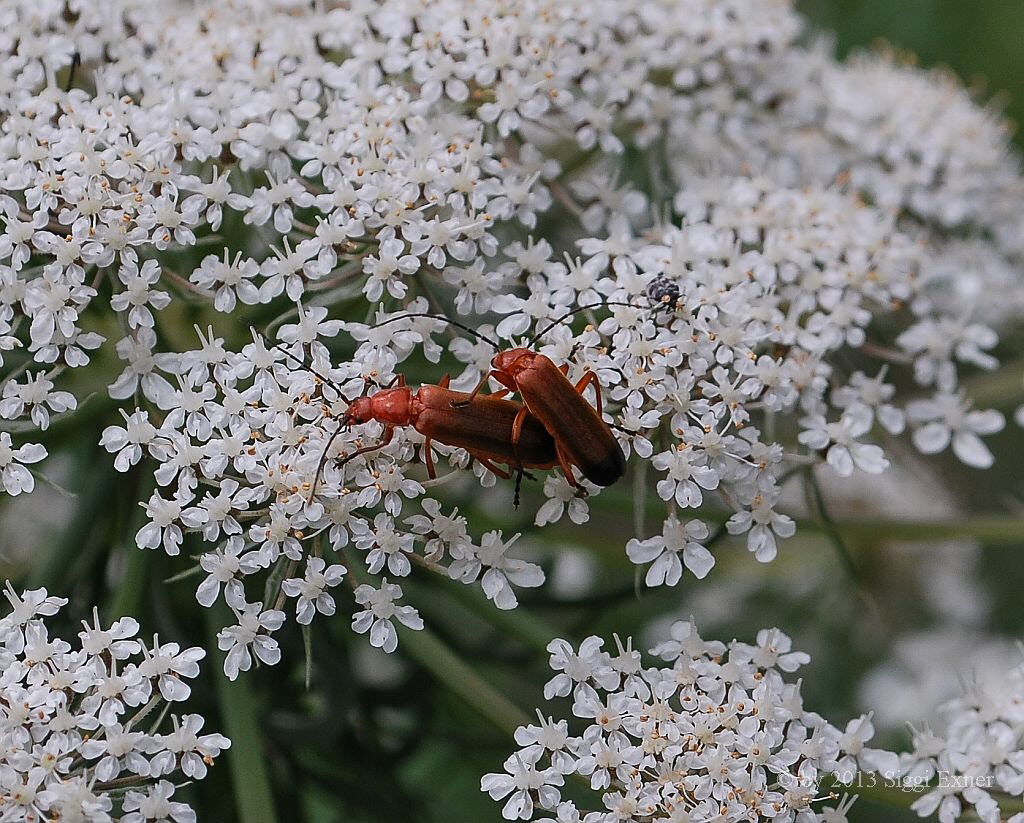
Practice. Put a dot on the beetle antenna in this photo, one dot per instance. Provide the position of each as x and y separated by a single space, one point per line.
323 459
343 423
448 320
567 315
347 458
312 371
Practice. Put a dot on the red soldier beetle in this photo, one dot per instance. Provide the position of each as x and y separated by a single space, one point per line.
582 437
491 429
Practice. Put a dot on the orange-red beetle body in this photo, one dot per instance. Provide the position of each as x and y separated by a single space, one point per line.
582 438
489 428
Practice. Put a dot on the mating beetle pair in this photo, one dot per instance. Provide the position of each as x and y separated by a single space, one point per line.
555 425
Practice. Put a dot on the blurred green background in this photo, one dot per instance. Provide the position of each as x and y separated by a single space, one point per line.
981 40
381 738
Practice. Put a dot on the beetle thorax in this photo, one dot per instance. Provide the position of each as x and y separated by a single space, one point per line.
393 406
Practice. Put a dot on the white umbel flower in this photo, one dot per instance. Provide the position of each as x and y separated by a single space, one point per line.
90 729
719 719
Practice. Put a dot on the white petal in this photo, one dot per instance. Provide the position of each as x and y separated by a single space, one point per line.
969 448
30 453
644 551
761 542
932 438
667 570
172 689
698 560
988 421
869 458
839 458
207 591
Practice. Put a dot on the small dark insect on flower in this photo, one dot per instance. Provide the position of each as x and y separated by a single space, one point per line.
663 293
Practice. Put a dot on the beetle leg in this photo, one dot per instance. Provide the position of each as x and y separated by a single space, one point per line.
586 380
445 381
487 464
389 432
428 457
517 432
563 461
519 485
475 392
501 377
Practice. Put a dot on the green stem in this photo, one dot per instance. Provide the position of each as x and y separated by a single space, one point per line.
431 653
577 162
828 525
254 800
640 498
435 656
528 629
988 528
995 528
872 787
132 586
307 648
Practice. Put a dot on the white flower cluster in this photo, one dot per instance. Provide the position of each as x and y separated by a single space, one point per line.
241 460
396 156
906 140
715 733
976 763
711 330
361 143
733 321
80 725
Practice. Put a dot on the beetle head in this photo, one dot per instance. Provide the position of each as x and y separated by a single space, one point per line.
512 361
360 410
